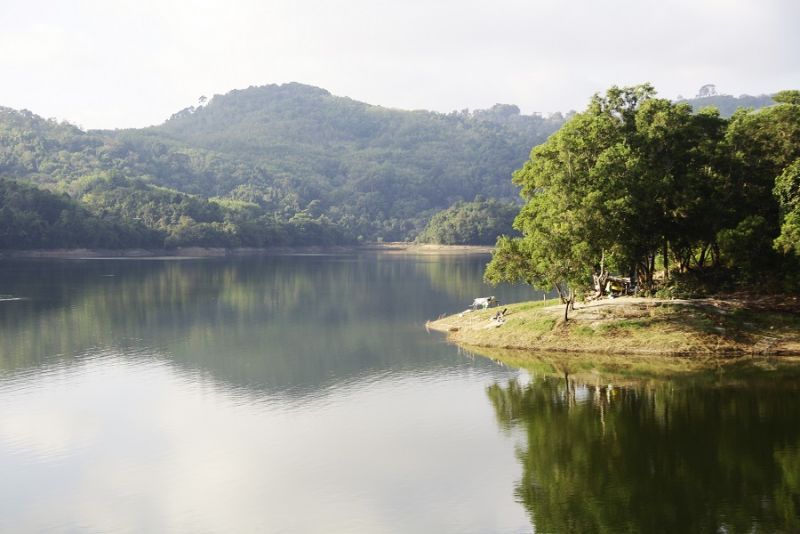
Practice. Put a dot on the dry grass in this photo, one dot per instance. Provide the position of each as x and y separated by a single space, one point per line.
632 326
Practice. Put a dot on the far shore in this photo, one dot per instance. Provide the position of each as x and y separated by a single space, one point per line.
709 327
218 252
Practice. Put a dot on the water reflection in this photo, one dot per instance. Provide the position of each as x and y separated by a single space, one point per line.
264 323
669 456
112 444
259 395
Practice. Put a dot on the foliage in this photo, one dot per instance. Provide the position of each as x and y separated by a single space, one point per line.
115 212
377 172
470 223
787 97
287 151
787 191
33 218
743 248
728 104
635 179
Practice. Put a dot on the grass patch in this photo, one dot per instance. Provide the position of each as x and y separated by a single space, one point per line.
532 305
624 324
638 326
702 323
541 324
750 319
583 331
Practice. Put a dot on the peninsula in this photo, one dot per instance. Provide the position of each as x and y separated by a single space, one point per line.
632 325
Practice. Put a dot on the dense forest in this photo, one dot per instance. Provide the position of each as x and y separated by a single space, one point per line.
679 201
265 166
725 104
38 218
471 223
288 164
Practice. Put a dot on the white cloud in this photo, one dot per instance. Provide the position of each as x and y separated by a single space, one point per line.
119 445
129 63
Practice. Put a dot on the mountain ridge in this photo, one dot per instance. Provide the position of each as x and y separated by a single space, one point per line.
279 153
275 163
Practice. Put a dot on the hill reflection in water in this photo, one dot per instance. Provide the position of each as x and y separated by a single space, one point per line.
276 394
279 323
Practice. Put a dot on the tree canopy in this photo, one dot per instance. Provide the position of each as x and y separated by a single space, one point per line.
636 182
281 154
470 223
727 104
293 164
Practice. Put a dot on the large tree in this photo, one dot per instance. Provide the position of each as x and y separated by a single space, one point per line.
635 179
764 153
787 189
615 186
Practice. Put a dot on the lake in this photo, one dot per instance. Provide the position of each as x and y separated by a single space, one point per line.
303 394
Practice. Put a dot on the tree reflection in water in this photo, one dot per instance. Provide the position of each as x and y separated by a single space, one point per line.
666 457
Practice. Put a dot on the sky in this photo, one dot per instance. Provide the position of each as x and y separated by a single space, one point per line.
133 63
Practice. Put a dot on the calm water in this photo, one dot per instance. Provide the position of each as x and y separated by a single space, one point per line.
302 394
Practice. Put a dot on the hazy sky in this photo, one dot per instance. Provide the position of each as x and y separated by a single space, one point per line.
121 63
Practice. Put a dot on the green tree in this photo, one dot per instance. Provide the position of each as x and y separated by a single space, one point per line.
595 192
787 191
470 223
635 183
765 150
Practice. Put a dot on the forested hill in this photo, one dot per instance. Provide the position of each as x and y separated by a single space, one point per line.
274 165
289 164
381 172
728 104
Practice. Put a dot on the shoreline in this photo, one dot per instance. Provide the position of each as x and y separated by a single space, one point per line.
220 252
631 326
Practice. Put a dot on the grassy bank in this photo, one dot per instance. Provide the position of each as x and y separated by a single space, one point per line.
631 326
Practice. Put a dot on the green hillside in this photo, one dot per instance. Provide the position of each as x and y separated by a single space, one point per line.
34 218
728 104
379 172
471 223
288 164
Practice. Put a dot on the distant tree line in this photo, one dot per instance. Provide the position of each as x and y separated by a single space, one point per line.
287 163
273 165
114 212
34 218
727 105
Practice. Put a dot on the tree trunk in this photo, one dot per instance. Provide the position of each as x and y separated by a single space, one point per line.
602 279
665 253
560 294
570 305
642 273
600 282
702 259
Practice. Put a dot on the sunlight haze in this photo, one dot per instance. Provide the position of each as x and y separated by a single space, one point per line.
132 64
